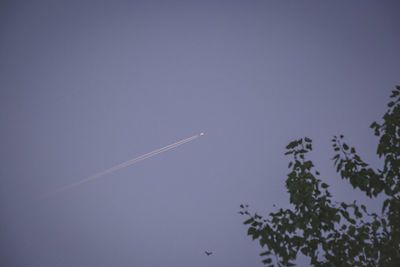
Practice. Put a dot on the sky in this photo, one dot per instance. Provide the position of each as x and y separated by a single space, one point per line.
86 85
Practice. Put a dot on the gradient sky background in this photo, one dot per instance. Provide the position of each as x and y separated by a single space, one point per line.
86 85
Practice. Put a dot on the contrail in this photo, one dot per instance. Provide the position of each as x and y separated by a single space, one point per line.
126 164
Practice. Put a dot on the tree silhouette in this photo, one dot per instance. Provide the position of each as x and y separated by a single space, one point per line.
334 233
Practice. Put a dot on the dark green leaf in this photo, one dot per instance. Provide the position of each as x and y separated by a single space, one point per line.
267 261
345 146
292 144
385 203
249 221
265 253
363 208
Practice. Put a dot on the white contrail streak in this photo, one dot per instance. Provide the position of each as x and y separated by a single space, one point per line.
126 164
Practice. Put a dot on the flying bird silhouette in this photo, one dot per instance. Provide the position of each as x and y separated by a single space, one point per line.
208 253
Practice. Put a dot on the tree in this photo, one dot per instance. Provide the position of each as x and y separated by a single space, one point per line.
334 233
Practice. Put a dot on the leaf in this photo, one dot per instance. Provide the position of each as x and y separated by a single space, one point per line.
384 223
252 231
265 253
351 230
308 140
385 203
324 185
339 166
364 208
391 104
291 145
358 214
345 146
268 260
249 221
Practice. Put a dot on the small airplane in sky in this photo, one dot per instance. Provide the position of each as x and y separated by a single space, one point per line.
208 253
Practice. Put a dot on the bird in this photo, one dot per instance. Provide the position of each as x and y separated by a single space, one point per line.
208 253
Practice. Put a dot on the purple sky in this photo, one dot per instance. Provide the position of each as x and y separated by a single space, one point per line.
85 85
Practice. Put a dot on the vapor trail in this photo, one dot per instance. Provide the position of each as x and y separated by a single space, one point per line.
125 164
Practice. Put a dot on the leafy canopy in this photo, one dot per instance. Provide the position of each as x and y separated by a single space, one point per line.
334 233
